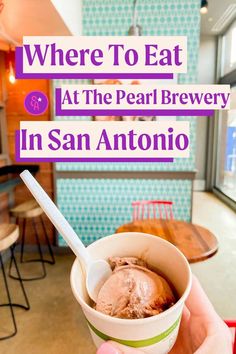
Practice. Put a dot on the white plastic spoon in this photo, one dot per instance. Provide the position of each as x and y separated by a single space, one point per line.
97 271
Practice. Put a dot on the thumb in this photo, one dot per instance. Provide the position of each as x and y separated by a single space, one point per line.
116 348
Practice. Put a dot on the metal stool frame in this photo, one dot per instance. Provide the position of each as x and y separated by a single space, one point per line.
41 258
10 303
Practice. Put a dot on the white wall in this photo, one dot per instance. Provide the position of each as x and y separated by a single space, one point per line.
71 13
207 60
206 75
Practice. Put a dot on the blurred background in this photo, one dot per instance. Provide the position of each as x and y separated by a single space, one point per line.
97 198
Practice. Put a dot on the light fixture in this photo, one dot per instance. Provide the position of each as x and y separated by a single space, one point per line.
135 29
11 76
204 7
10 63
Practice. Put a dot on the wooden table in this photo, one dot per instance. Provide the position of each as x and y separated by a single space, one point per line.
194 241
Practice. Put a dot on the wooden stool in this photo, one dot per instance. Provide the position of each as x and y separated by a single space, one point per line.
30 210
9 233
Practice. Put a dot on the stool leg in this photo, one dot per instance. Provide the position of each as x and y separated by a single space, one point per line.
17 221
39 248
23 241
41 260
48 242
27 307
10 264
9 301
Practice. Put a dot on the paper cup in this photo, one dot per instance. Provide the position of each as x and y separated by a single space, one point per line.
153 335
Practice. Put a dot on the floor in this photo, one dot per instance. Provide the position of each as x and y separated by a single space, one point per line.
55 324
218 274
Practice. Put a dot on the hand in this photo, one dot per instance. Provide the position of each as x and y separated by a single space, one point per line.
202 331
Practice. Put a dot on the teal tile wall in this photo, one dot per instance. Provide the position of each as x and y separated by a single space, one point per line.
96 207
159 18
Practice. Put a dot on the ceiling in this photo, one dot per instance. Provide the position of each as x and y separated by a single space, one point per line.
51 17
30 17
220 14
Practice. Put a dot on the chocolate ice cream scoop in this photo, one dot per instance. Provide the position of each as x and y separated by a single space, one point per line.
133 291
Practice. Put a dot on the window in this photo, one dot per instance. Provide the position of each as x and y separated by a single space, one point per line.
226 154
224 161
228 55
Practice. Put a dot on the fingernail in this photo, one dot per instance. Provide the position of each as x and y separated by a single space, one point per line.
107 348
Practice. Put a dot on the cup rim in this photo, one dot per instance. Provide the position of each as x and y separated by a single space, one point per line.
136 321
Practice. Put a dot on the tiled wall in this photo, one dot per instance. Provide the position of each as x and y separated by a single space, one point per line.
112 18
159 18
96 207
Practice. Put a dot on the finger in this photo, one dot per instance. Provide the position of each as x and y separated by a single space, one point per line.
216 344
198 303
183 343
185 316
116 348
107 348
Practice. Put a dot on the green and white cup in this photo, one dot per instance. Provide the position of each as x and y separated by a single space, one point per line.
153 335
